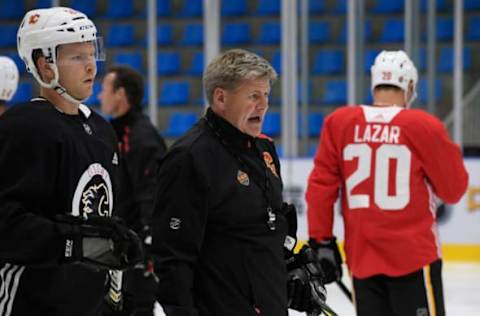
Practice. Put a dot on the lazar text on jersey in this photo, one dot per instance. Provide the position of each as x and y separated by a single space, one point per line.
377 133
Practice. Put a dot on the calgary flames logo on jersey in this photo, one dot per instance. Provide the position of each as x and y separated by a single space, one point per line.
93 194
269 162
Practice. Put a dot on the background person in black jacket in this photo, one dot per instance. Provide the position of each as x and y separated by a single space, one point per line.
58 162
141 148
220 224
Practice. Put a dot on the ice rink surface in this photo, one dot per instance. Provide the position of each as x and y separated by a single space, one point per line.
461 283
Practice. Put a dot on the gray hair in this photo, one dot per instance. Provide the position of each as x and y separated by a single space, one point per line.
229 69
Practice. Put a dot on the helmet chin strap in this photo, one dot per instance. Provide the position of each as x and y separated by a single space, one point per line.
53 84
63 92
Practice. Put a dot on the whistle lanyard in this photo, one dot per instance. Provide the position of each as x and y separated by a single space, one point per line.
271 217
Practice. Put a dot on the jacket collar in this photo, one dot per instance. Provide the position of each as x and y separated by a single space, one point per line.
229 133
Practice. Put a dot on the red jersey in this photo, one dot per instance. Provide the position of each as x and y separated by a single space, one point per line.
390 164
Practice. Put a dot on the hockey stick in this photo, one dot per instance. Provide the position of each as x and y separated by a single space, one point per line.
345 290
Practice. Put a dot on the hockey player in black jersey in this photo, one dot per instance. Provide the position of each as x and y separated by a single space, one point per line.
8 81
58 162
141 148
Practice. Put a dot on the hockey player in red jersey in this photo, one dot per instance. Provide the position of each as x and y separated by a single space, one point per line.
391 164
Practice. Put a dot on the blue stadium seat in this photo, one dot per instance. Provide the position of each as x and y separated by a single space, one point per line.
272 124
164 34
168 63
192 34
120 35
422 62
93 99
335 92
119 9
267 7
422 90
444 29
174 93
329 62
445 63
233 7
24 93
312 150
393 31
315 123
316 6
9 35
10 9
340 7
388 7
367 32
191 8
270 33
132 59
277 61
369 58
164 8
318 32
236 33
441 5
196 64
42 4
471 5
473 30
179 123
89 7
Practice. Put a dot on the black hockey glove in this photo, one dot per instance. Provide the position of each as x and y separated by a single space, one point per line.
99 242
306 292
329 257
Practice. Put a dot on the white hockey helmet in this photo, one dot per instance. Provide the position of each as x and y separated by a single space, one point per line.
46 29
395 68
8 78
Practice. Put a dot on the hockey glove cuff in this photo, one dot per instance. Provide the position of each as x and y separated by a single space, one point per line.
328 255
100 242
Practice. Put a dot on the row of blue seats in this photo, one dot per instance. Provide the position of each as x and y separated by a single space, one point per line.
193 8
324 62
180 122
239 33
173 93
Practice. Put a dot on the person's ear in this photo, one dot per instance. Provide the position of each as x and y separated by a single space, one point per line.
44 70
219 98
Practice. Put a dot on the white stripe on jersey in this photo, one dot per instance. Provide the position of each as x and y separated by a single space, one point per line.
10 277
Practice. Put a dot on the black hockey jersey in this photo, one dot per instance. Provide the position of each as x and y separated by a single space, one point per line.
51 163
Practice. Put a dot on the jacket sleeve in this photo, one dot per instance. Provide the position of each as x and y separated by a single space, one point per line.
28 169
142 165
178 227
441 160
323 185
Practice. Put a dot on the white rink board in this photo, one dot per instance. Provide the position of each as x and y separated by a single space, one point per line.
460 225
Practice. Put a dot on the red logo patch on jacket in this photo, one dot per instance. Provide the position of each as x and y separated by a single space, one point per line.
269 162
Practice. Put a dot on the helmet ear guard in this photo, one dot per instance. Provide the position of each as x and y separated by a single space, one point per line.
47 29
395 68
8 78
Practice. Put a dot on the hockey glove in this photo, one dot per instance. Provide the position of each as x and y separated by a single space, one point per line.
99 242
328 255
306 292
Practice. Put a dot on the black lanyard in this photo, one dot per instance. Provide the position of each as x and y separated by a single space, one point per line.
271 217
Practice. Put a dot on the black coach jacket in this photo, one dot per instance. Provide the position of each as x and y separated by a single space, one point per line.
219 252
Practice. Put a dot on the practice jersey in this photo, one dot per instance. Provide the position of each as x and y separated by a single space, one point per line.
390 164
51 163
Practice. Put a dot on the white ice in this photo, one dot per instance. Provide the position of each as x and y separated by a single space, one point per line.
461 283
